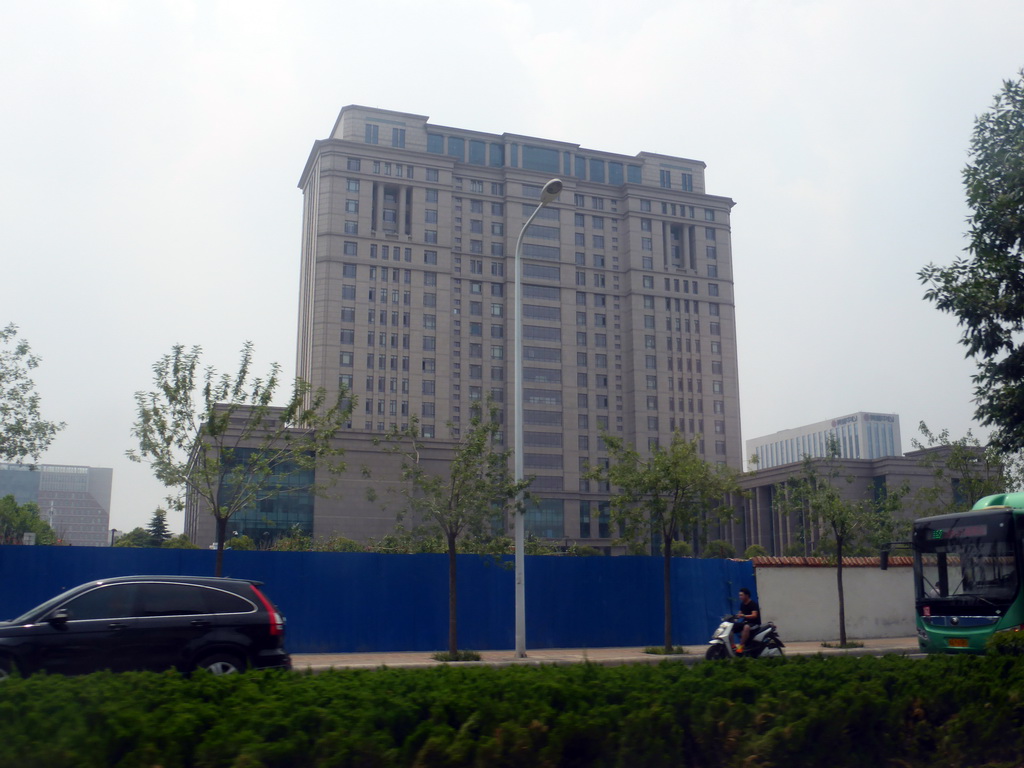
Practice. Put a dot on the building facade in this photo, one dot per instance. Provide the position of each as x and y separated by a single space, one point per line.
75 501
859 435
406 300
761 518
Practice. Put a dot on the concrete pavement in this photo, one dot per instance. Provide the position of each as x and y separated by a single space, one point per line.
318 662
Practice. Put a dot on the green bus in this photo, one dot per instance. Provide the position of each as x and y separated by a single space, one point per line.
967 575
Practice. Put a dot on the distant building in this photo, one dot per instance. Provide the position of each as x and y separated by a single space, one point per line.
75 501
860 435
760 518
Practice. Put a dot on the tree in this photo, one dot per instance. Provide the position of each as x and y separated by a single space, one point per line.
664 495
985 290
157 528
719 548
963 470
221 441
137 537
468 499
843 522
181 541
18 519
23 430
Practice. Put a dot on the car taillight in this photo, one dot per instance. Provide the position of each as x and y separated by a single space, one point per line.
276 620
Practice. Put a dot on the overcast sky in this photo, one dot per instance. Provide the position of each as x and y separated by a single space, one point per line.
150 152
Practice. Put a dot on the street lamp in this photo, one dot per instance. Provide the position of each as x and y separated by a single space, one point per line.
547 195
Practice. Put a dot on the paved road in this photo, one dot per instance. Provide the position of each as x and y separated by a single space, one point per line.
609 656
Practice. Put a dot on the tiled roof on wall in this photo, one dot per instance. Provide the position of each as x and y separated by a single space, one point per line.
895 561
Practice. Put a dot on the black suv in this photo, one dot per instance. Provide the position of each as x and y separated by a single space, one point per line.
147 622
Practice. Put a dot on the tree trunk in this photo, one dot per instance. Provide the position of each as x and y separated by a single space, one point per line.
222 527
839 584
667 549
453 636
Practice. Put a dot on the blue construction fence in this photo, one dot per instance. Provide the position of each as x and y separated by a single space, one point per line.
359 602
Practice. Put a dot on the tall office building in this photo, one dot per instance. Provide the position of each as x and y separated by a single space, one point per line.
858 435
75 501
409 232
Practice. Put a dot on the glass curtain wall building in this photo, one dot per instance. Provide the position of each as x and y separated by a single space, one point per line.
73 500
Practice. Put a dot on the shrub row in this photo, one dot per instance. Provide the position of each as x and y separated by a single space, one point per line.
807 711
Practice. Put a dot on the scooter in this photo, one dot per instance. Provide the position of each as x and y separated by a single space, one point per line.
764 642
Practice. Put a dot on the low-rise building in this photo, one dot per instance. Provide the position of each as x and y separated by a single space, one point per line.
761 518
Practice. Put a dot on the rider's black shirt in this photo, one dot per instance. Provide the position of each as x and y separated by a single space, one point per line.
751 607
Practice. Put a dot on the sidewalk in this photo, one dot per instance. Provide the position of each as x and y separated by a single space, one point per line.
318 662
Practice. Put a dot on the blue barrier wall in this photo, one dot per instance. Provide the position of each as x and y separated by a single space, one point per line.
354 601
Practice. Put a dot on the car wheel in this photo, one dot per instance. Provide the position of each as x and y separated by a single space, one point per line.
716 652
222 664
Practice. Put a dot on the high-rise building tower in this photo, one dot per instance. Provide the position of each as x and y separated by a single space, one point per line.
406 298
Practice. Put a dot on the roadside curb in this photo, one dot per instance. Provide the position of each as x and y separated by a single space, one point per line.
568 656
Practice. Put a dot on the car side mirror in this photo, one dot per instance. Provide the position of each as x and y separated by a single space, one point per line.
59 617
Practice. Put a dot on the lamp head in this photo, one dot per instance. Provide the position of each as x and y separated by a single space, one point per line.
550 191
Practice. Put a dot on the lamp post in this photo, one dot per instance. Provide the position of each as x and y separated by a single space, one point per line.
547 195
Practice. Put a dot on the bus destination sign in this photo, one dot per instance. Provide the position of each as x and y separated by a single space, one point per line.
960 532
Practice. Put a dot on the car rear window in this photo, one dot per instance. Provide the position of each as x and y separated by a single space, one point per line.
159 599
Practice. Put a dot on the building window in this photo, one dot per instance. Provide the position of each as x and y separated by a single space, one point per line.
372 133
665 179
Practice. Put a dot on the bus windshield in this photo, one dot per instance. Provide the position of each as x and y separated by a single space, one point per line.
965 559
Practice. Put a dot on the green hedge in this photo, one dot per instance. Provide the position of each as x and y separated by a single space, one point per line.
804 711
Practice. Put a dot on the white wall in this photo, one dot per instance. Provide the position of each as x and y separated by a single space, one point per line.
804 603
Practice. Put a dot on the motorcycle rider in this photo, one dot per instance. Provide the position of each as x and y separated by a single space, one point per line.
750 618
